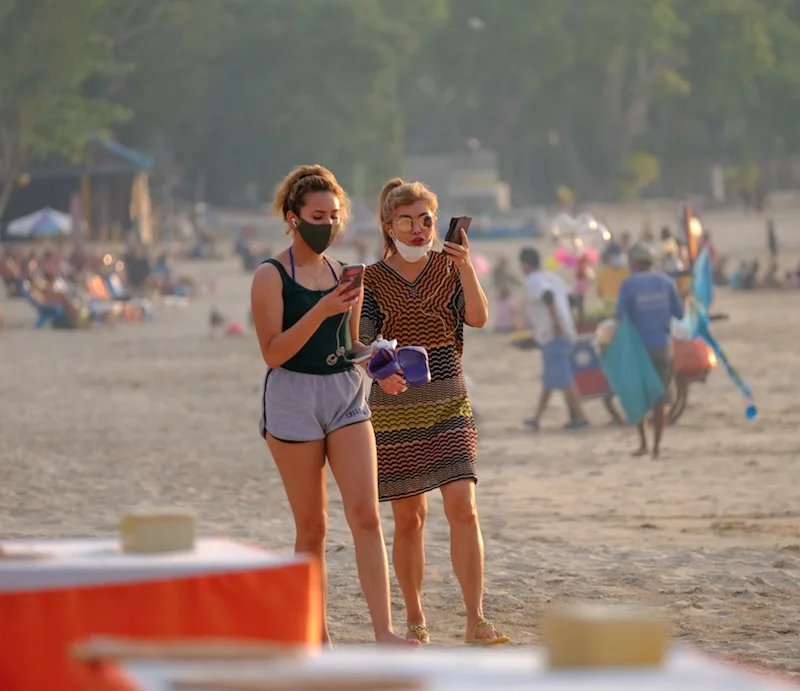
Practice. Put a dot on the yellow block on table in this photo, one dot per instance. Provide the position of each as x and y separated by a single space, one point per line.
599 635
155 531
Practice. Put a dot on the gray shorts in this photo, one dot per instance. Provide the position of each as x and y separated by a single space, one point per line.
298 407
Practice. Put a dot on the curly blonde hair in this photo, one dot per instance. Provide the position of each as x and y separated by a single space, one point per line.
396 193
291 193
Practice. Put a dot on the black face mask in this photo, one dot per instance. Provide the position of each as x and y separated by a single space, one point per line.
318 236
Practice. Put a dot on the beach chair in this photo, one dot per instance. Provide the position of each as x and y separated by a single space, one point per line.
116 288
131 309
102 306
46 314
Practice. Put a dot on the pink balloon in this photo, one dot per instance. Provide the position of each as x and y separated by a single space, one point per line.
563 257
592 255
481 265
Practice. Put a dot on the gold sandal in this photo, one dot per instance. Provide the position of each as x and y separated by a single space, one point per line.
497 639
418 632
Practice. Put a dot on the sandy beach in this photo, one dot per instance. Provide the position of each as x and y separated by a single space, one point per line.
94 422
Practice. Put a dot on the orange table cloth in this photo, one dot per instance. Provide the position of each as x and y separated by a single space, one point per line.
85 588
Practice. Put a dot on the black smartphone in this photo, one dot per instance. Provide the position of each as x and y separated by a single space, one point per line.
457 224
353 274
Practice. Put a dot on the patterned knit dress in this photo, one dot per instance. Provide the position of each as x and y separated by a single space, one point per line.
426 436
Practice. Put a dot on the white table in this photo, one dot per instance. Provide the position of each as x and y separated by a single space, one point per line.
469 669
98 561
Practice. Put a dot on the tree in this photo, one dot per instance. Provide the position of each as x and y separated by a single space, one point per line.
49 49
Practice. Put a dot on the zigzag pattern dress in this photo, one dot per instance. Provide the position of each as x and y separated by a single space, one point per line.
426 437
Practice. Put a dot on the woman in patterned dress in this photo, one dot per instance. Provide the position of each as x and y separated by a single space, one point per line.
426 436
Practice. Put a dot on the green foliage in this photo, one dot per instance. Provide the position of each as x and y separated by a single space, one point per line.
48 49
639 170
641 93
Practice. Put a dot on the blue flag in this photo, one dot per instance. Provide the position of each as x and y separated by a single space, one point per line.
698 323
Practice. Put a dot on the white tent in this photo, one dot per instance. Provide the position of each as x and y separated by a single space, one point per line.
44 223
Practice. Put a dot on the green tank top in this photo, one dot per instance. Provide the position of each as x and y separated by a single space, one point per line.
324 352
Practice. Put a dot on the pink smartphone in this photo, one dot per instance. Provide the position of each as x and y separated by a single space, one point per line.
354 274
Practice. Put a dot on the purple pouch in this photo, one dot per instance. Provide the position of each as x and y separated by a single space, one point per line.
413 360
383 364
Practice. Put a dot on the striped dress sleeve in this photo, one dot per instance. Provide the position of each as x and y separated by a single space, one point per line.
459 302
371 318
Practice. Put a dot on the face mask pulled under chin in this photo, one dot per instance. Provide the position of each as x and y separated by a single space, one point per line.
412 253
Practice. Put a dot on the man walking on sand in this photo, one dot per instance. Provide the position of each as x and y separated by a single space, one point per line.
548 311
650 300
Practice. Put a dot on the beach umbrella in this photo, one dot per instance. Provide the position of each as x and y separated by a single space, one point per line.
45 223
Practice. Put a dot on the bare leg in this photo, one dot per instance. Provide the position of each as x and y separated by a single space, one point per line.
610 406
352 457
408 554
573 397
466 550
641 428
302 469
544 399
659 419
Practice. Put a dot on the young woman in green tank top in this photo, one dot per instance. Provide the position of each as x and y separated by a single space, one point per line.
314 401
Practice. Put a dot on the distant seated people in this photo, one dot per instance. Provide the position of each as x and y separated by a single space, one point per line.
720 274
502 278
53 290
78 260
792 278
751 277
505 312
670 261
163 274
745 276
772 278
736 280
11 271
615 252
137 268
244 248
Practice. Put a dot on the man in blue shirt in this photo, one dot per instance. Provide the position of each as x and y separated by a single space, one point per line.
650 300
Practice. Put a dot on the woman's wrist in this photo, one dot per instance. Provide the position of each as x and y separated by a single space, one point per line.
467 269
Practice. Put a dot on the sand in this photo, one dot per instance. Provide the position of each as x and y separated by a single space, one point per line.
94 422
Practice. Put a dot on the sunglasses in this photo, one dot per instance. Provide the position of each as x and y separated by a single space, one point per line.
405 224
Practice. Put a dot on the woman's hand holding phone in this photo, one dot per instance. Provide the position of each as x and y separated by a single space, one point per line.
339 300
458 254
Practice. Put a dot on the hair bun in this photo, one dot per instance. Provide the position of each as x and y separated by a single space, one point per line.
393 184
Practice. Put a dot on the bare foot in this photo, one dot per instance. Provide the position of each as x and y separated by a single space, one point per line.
390 638
641 451
656 454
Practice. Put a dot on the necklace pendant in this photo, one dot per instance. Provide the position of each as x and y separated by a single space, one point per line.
412 293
